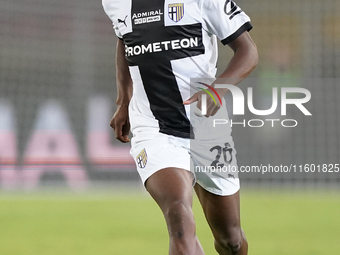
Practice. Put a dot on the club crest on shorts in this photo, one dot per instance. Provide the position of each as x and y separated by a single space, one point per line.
176 11
142 159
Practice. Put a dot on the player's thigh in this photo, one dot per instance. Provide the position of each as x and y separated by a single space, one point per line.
221 212
153 152
215 165
171 186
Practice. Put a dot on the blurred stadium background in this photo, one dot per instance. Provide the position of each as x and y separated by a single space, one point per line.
57 96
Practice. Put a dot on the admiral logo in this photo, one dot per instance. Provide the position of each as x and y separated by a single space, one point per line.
147 17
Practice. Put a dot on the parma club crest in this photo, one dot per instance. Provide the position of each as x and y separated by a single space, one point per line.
176 11
142 159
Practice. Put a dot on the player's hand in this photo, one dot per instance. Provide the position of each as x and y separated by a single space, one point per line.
212 107
121 124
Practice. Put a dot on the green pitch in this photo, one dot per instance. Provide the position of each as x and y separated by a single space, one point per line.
276 222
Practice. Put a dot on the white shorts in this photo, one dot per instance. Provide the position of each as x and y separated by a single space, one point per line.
212 162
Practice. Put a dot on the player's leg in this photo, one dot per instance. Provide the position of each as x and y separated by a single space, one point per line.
172 189
223 216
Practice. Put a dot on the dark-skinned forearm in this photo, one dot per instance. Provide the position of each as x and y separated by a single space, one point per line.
243 62
123 77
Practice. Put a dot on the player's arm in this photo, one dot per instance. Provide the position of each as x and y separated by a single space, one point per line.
244 60
120 121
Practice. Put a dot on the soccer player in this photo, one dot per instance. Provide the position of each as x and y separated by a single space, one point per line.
162 45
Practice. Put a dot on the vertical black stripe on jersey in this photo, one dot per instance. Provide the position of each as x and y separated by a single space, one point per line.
155 68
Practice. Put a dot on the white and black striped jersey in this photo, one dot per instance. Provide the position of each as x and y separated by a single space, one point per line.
167 42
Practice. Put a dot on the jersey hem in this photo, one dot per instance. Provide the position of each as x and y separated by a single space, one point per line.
177 133
219 192
245 27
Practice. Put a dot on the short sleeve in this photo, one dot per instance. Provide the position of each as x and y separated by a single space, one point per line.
224 19
115 28
109 8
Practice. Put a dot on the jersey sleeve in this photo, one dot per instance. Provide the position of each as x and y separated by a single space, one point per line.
224 19
109 8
